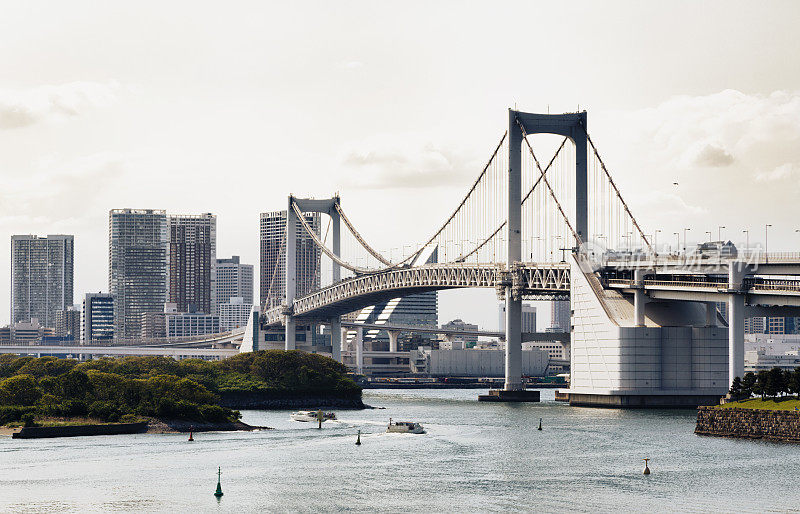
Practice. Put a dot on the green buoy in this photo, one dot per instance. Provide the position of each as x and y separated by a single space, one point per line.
540 424
358 439
219 485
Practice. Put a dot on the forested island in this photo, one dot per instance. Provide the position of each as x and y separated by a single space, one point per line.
184 394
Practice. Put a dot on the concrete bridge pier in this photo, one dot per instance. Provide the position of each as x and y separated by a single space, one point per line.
336 338
639 297
393 336
736 273
360 350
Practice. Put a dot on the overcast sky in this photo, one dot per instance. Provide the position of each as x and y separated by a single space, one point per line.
227 107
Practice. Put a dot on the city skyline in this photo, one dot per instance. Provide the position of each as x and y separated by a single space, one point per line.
117 121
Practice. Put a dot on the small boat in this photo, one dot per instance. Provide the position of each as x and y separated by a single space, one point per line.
404 427
312 415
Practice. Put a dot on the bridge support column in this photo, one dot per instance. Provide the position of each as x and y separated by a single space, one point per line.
639 298
513 343
360 350
291 272
514 252
735 336
336 338
393 336
736 273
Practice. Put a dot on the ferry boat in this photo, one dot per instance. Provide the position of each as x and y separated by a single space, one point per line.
404 427
312 415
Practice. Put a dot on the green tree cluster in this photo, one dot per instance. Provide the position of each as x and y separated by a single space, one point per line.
766 383
110 389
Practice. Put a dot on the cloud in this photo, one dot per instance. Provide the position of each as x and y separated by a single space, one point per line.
428 166
58 192
713 156
24 108
782 172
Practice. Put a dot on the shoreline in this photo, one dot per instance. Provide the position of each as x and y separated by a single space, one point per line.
147 426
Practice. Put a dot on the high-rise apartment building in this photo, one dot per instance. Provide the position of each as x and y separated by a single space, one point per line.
138 255
234 280
97 322
192 262
41 277
528 319
68 323
560 315
272 277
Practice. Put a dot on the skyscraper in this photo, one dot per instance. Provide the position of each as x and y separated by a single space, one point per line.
97 323
234 280
273 270
527 320
41 277
138 253
561 315
192 262
68 323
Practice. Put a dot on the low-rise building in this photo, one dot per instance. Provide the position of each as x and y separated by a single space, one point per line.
234 313
474 363
759 360
186 324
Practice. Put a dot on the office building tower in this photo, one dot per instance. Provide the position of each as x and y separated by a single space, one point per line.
755 325
192 262
97 322
138 254
272 277
234 313
528 320
560 315
68 324
41 277
234 280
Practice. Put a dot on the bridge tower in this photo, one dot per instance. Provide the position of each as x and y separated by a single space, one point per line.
323 206
573 126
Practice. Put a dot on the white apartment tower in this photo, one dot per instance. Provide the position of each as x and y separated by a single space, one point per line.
41 277
138 257
272 277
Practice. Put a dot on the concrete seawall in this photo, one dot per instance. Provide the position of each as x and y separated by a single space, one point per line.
80 430
773 425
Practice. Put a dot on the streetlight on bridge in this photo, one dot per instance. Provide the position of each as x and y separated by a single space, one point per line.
684 239
719 232
766 242
747 241
677 243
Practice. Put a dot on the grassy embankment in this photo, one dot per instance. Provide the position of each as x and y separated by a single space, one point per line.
780 403
55 391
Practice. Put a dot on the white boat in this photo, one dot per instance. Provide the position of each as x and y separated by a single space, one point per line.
312 415
404 427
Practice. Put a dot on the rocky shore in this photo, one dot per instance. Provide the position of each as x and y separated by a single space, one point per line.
172 426
772 425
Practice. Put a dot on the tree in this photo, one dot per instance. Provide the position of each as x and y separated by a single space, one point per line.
760 387
793 381
748 384
774 382
736 388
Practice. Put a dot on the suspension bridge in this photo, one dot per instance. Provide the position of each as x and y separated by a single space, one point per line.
645 326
